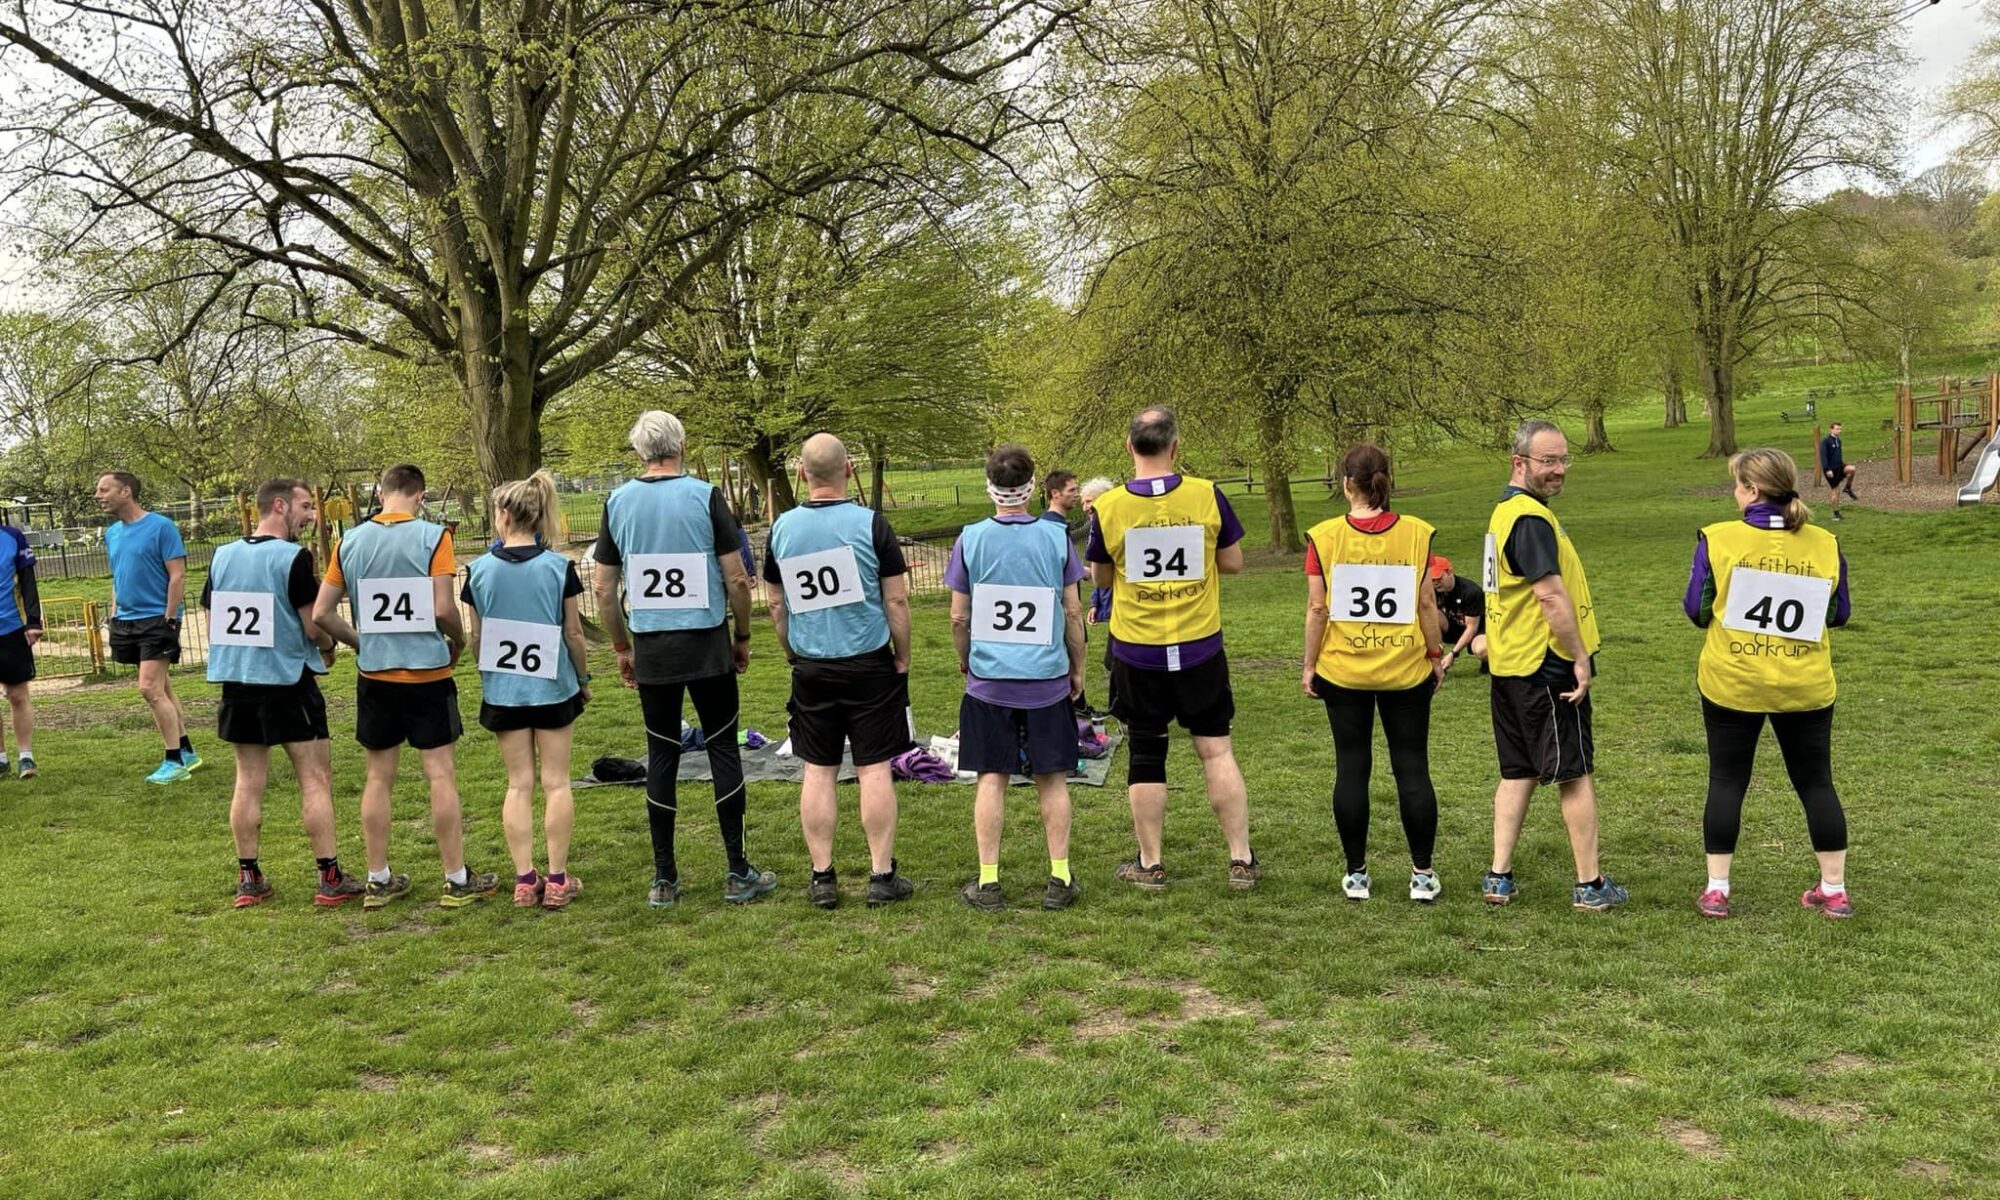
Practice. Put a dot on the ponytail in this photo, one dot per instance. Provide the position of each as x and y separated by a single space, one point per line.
1776 478
531 504
1367 468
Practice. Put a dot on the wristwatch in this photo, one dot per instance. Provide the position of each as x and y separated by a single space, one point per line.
742 637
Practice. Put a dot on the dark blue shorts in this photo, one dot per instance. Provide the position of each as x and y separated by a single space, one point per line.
991 738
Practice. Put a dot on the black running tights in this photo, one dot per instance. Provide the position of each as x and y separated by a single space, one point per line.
715 706
1406 723
1806 741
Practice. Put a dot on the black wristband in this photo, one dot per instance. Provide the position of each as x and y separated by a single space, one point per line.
742 637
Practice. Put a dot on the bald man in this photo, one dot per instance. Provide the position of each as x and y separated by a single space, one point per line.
836 582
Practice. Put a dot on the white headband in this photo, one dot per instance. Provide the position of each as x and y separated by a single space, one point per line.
1011 497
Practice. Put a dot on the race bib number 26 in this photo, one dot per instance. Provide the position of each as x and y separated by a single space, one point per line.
1165 554
1768 602
519 648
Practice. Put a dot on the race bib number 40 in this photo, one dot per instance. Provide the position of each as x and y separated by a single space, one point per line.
667 581
1383 595
519 648
1165 554
241 619
824 579
1768 602
403 605
1026 616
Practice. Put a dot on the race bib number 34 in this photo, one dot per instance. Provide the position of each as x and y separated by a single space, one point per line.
1768 602
519 648
823 579
1024 616
402 605
1383 595
667 581
241 618
1165 554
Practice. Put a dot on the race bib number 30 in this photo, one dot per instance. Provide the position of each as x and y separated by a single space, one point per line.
241 619
1165 554
402 605
823 579
667 581
1026 616
1383 595
1768 602
519 648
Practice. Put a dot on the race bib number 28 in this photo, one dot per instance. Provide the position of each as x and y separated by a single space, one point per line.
667 581
1768 602
1165 554
402 605
241 618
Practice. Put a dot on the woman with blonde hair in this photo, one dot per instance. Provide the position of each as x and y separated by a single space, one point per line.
528 635
1767 587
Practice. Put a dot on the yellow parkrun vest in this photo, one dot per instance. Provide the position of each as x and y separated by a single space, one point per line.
1518 636
1748 661
1163 589
1374 641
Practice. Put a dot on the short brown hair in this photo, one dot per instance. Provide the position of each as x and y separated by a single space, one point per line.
274 490
1057 480
126 480
404 479
1009 466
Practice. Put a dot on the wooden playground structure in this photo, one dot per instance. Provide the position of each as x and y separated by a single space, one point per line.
1965 413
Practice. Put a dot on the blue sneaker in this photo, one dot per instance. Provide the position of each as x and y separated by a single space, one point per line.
742 889
1497 889
191 761
168 771
1599 896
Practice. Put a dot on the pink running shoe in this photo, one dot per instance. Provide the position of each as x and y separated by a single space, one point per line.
1713 903
559 895
529 895
1831 904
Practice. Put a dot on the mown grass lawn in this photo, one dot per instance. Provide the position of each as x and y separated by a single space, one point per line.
1283 1043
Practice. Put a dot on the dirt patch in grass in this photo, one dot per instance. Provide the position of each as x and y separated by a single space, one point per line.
1841 1063
835 1166
375 1081
1692 1138
1189 1129
1926 1168
763 1109
488 1157
907 983
1832 1112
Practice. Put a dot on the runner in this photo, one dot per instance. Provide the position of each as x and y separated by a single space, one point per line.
1541 635
1767 587
1009 576
670 538
534 677
1463 606
20 631
399 568
148 594
1365 577
836 581
1834 469
1098 610
1158 543
266 652
1062 495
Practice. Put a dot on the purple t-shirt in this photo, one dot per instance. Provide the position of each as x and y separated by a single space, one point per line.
1186 654
1011 693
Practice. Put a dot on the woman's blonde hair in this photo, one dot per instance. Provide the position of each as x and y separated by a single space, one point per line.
530 504
1776 478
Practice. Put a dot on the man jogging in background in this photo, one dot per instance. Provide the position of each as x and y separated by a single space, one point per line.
1541 631
20 629
1835 471
266 652
148 594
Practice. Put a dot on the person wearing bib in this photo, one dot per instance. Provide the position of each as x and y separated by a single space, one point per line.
268 655
1372 644
148 587
20 632
1017 622
839 594
1541 636
673 572
406 634
1063 499
526 634
1098 610
1161 544
1767 587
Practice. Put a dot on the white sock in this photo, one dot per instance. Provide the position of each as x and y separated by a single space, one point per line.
1833 889
381 876
1718 885
459 876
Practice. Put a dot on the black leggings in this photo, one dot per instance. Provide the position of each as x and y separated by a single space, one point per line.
715 706
1806 741
1406 724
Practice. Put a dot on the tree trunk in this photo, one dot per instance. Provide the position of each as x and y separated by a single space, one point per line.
777 485
878 451
1596 441
1718 384
499 390
1284 516
1677 405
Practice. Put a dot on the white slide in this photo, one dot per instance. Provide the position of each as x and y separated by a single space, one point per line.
1984 473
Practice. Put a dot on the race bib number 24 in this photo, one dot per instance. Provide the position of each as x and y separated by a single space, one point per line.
400 605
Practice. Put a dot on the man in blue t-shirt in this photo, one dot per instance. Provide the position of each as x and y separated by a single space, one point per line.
148 586
20 629
1835 471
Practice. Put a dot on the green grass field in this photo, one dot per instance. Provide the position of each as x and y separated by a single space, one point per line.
1202 1043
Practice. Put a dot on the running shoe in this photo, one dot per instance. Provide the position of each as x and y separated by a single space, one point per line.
169 771
1596 897
5 770
985 897
1849 489
1244 875
477 886
889 888
823 890
379 894
251 889
742 889
1355 884
191 761
1713 903
559 895
1497 888
1837 516
27 766
1424 886
1146 879
1831 904
332 893
1059 895
665 893
529 895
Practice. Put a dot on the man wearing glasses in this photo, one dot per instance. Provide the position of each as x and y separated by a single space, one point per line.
1541 632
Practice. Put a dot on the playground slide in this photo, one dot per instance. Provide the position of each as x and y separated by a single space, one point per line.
1984 473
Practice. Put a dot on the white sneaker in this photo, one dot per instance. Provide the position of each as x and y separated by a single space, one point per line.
1425 887
1355 884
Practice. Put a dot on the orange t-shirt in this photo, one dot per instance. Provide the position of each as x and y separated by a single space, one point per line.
443 562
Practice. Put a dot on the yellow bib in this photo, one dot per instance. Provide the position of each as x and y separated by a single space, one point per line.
1163 590
1754 667
1374 641
1518 636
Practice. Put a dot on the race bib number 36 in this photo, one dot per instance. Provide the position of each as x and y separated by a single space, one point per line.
1165 554
824 579
1768 602
519 648
667 581
1378 594
1026 616
402 605
241 618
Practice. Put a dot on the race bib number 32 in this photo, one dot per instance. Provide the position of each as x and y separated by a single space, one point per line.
823 579
402 605
1768 602
519 648
1383 595
1026 616
1165 554
241 619
667 581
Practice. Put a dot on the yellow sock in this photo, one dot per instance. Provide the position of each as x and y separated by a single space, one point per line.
1059 867
989 873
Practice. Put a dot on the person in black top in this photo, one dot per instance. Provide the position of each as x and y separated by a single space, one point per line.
1463 605
1834 468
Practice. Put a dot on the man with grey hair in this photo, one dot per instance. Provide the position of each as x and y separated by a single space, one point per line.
672 541
1541 631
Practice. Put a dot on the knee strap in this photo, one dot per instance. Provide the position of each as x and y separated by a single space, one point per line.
1146 761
